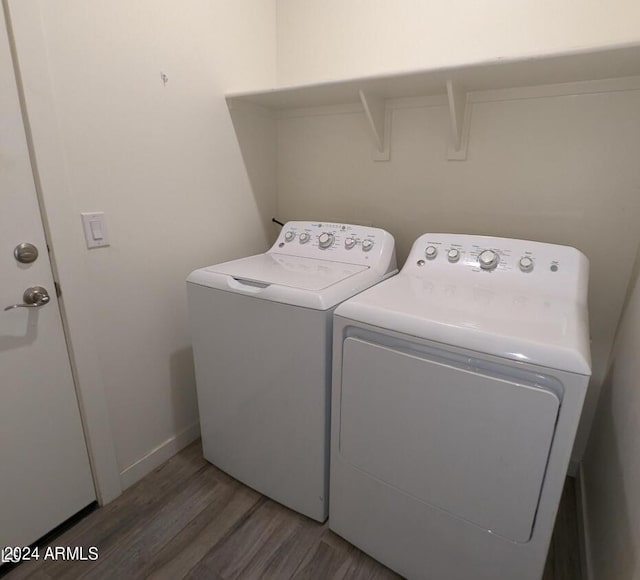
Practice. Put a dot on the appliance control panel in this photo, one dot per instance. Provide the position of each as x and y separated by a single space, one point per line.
352 244
490 261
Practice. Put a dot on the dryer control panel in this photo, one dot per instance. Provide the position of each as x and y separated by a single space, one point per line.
351 244
489 261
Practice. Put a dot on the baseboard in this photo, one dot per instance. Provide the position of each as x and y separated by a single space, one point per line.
583 526
159 455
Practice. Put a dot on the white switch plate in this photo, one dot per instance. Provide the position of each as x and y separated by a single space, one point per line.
95 229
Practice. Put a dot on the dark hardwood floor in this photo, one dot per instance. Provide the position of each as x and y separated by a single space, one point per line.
187 519
563 560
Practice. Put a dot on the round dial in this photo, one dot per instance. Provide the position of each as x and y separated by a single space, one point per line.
304 238
325 239
453 255
366 245
289 236
431 252
349 243
526 264
488 260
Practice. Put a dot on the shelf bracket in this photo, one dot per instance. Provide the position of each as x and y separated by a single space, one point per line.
459 119
379 119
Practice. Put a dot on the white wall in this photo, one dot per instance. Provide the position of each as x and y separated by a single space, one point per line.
163 162
559 169
165 165
334 39
611 468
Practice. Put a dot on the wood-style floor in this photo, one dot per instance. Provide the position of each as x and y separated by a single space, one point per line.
187 519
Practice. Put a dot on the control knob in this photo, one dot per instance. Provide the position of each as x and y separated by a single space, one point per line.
349 243
526 264
304 238
289 236
431 252
366 245
488 260
325 239
453 255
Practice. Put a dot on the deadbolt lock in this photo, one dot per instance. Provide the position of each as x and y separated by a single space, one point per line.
25 253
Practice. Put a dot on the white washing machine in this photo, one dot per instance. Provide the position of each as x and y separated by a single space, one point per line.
457 389
261 329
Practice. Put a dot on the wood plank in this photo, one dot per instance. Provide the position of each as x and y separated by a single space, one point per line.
566 551
187 548
104 527
125 511
31 569
548 569
251 545
127 557
188 519
325 562
343 561
364 567
292 552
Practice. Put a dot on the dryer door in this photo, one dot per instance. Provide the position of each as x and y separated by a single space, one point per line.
469 443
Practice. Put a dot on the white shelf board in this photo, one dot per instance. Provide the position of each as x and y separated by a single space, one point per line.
589 65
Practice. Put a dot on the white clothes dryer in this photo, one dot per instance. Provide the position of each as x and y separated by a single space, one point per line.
261 329
457 390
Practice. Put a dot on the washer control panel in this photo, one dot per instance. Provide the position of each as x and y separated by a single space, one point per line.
347 243
488 261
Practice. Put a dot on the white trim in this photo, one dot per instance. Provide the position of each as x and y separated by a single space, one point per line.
583 526
159 455
459 121
591 64
59 216
557 90
353 108
379 120
595 59
418 102
485 96
320 111
251 108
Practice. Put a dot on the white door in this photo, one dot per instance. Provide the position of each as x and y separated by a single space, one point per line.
44 469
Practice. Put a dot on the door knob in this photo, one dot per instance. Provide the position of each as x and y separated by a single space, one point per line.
33 297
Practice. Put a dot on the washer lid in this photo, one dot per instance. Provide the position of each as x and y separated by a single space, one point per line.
311 264
535 327
295 272
307 282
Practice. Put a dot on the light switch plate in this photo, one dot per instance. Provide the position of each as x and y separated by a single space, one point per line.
95 229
